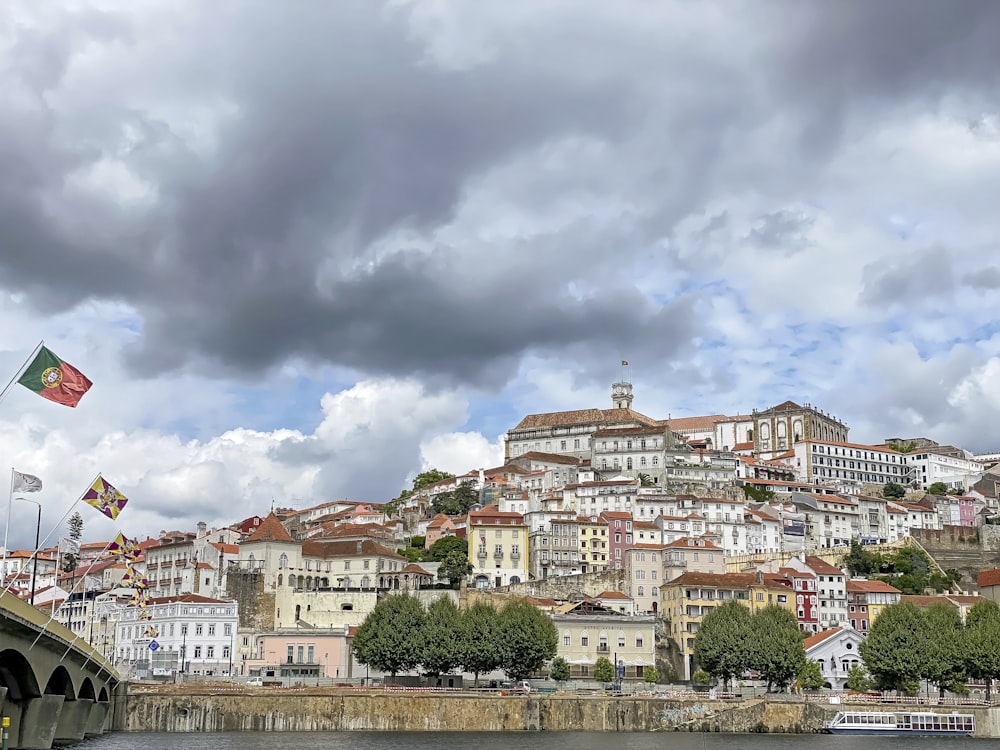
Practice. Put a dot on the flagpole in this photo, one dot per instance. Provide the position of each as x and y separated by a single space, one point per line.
6 530
21 369
46 539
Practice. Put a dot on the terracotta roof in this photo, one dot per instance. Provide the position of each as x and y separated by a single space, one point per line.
189 598
231 549
988 578
644 526
822 567
926 601
722 580
743 446
626 431
793 573
583 417
694 424
613 595
818 638
327 548
270 530
414 568
871 587
862 446
687 543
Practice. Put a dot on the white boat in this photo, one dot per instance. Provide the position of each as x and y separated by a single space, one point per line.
899 722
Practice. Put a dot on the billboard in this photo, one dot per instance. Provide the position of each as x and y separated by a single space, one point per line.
793 527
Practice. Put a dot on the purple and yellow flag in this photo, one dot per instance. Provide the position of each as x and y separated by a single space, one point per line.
103 496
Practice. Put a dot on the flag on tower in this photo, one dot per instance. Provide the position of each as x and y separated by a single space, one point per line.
624 363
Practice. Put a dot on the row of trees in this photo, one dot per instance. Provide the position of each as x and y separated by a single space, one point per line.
907 644
733 641
399 635
909 569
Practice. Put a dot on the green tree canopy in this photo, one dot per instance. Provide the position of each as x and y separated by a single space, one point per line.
944 658
650 675
458 501
604 670
757 494
390 637
420 481
810 675
559 669
455 567
982 641
442 636
894 642
438 551
778 653
527 639
938 488
723 645
858 679
860 561
893 491
480 646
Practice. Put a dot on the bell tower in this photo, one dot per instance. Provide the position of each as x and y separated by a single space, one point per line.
621 395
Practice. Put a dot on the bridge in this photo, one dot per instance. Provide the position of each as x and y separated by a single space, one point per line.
53 691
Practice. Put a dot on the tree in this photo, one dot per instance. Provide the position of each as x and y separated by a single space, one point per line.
895 639
860 561
938 488
858 679
604 670
650 675
390 637
455 567
700 678
907 446
893 491
527 638
810 675
420 481
480 647
71 557
757 494
944 657
559 669
458 501
723 644
982 641
438 551
442 636
778 653
645 480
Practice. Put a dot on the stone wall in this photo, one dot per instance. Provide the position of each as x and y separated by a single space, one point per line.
572 587
969 550
339 710
255 606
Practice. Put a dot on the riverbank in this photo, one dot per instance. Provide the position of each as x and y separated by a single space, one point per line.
204 708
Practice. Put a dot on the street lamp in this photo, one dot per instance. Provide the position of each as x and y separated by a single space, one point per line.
34 564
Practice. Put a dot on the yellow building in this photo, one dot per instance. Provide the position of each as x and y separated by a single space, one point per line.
691 596
588 631
593 544
498 547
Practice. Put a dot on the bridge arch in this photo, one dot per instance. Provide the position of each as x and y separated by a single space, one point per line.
60 683
17 676
87 690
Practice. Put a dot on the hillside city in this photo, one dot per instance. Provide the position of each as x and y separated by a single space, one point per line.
625 530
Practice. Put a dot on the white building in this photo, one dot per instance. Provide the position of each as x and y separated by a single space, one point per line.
849 466
957 472
836 650
189 633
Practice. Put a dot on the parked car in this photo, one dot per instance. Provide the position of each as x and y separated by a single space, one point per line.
255 682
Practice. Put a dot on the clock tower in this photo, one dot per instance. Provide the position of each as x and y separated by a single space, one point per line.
621 395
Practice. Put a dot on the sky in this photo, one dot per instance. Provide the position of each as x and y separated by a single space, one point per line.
305 250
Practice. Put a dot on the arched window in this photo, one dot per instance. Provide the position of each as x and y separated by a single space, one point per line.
365 582
642 460
602 642
628 462
782 429
656 460
642 591
283 561
279 579
291 582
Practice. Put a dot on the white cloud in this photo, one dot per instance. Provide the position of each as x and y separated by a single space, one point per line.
458 452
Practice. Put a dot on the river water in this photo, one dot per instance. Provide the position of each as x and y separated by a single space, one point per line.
515 741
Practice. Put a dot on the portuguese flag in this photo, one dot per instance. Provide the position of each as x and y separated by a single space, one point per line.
51 378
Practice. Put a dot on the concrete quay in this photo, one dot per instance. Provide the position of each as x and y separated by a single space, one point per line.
207 708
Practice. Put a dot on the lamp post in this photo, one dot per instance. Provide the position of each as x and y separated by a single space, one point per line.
34 564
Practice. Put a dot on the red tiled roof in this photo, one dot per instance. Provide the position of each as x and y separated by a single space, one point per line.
822 567
270 530
871 587
817 638
988 578
583 417
694 424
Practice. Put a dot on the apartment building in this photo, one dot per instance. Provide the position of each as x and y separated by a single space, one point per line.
644 576
593 543
831 589
849 466
866 600
692 555
498 547
587 631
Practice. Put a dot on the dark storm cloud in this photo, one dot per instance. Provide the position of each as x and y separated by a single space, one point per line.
908 279
338 130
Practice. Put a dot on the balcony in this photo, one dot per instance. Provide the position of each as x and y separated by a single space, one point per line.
602 648
498 556
515 555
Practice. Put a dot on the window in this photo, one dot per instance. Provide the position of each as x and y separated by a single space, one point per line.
197 629
197 652
621 639
227 629
584 640
210 652
283 561
211 629
638 641
566 639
